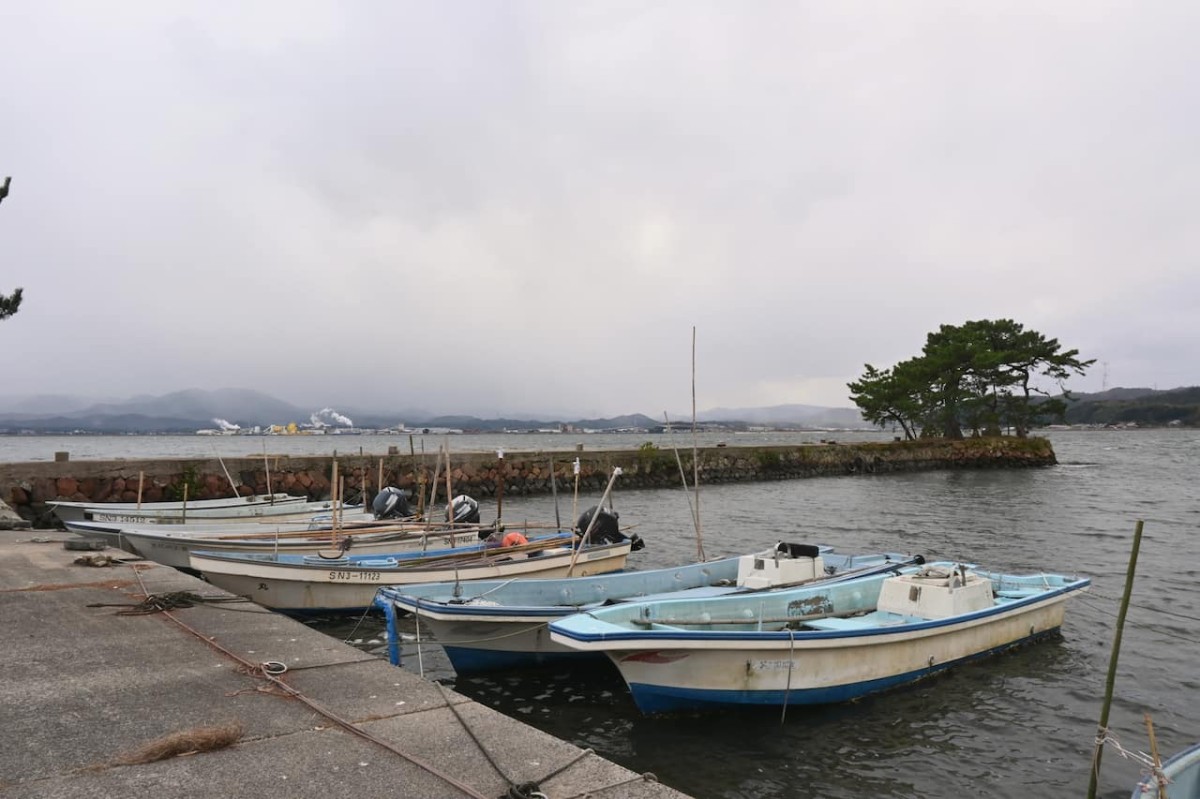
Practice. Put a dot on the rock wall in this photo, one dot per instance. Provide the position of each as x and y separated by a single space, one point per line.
28 486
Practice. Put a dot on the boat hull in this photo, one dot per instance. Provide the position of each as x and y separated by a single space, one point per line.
659 684
132 511
318 589
176 550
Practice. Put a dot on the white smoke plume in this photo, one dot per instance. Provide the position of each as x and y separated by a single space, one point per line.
224 425
328 417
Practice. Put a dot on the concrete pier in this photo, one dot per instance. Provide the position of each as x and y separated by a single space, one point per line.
90 679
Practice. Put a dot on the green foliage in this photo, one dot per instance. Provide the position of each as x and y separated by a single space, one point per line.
9 304
980 376
649 457
190 477
768 459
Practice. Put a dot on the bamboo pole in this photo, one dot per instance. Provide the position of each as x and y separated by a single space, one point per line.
379 480
1159 777
583 539
437 472
695 453
554 491
224 469
449 490
141 482
1102 730
500 481
575 500
691 509
183 515
333 490
267 467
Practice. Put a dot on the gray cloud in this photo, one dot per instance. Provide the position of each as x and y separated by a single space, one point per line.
492 207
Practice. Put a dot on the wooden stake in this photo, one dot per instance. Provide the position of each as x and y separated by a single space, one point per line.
583 540
554 491
500 481
141 481
1159 777
333 492
267 466
183 515
222 462
449 488
1112 663
695 454
691 509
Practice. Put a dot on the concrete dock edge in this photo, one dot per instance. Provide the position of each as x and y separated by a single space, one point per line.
87 684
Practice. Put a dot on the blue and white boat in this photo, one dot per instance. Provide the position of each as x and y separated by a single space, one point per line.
487 625
828 642
1181 774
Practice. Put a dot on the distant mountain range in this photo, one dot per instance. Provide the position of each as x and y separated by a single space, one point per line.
195 409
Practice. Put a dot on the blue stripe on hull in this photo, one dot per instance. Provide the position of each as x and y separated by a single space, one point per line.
467 660
652 699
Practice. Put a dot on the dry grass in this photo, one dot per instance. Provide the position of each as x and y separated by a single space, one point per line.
198 739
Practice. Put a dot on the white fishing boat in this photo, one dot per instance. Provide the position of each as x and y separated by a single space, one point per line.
303 584
486 624
136 511
377 538
828 642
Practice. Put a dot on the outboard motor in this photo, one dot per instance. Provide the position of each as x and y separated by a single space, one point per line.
391 503
607 529
463 510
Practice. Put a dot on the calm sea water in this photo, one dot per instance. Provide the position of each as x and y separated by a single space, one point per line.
87 447
1018 725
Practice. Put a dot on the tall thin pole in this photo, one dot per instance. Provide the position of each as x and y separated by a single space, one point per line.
1102 730
141 482
449 491
695 453
225 469
333 490
500 481
554 491
686 493
267 466
583 540
575 499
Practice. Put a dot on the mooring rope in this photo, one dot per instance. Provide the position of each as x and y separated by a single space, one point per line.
158 603
261 672
272 671
523 790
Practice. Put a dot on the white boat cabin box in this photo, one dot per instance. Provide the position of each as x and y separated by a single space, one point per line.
935 592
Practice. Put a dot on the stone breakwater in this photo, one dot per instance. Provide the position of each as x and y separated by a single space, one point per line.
27 487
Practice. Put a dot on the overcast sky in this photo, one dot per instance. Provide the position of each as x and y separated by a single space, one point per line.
496 207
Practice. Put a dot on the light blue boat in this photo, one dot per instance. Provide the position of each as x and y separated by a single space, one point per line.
820 643
1182 773
485 625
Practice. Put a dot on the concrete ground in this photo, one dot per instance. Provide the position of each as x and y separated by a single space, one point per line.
86 687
